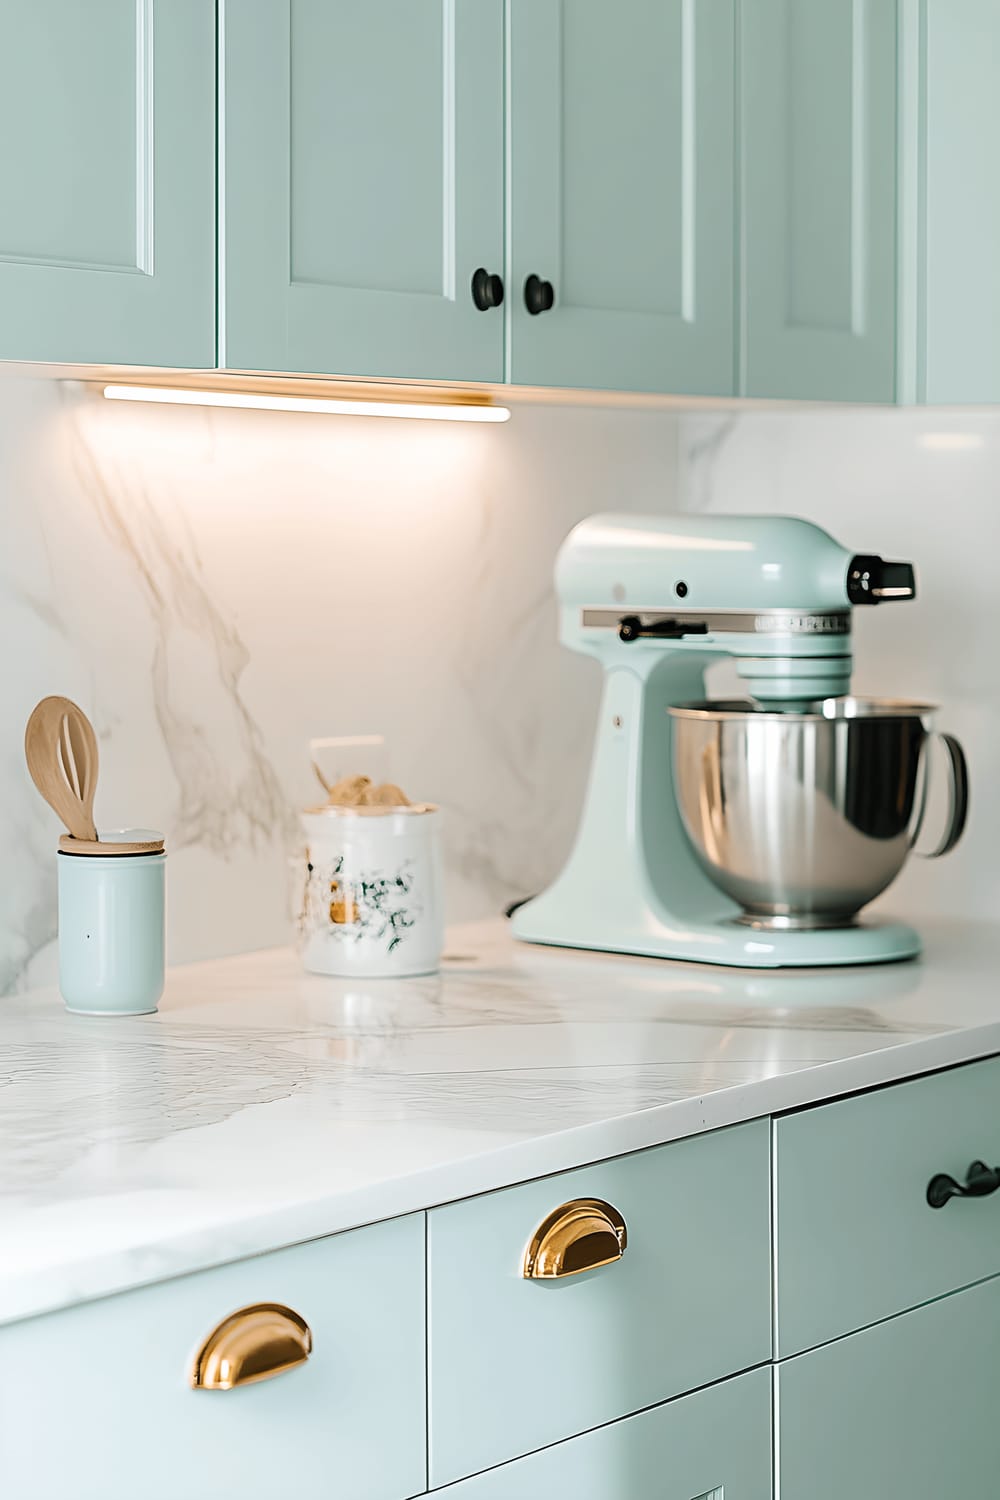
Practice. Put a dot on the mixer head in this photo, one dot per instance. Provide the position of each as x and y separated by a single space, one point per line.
773 592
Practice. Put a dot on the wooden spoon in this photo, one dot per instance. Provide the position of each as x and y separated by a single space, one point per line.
60 747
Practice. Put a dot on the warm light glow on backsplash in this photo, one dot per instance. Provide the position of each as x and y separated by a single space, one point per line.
259 468
951 442
322 405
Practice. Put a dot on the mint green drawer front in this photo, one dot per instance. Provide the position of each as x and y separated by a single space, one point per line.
903 1411
714 1445
95 1402
856 1238
516 1364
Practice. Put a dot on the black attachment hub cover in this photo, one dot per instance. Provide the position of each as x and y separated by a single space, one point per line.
872 580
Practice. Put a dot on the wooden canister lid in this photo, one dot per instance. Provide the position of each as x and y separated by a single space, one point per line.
338 810
108 848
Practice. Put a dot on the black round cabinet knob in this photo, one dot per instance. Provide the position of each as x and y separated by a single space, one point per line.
487 290
539 296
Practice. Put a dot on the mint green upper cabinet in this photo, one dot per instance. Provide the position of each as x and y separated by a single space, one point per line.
620 152
107 181
818 129
361 186
905 1410
951 114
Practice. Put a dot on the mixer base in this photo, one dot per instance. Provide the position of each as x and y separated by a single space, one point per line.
852 943
723 941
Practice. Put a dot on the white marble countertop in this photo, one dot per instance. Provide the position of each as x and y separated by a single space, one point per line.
262 1106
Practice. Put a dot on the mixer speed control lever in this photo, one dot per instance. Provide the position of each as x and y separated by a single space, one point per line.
632 628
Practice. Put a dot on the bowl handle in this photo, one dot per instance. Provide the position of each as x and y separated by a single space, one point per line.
958 801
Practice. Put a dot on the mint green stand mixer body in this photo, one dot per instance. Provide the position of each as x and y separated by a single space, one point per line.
747 833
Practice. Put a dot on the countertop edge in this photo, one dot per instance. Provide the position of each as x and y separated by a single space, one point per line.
491 1171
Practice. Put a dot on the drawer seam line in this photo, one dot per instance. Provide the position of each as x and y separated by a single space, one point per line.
427 1350
903 1312
695 1390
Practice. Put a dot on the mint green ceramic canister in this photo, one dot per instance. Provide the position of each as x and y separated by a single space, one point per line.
111 922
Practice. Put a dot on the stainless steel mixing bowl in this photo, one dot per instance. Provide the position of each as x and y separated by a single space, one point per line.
803 818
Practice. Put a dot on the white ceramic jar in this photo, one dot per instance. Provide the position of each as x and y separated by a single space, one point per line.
371 897
111 925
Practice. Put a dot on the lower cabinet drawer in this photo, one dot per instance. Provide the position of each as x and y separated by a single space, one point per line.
519 1362
713 1445
96 1402
856 1239
906 1409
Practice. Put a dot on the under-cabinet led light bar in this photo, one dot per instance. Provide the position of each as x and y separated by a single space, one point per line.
951 442
329 406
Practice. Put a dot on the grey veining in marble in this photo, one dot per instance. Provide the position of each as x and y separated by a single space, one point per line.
263 1105
226 800
215 588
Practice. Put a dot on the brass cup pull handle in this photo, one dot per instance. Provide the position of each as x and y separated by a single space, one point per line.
575 1237
253 1343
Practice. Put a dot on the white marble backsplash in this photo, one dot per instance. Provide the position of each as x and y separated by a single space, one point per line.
215 588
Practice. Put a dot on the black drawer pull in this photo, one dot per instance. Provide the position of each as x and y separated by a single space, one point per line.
980 1181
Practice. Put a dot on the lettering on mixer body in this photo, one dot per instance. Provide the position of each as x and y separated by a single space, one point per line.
804 624
676 624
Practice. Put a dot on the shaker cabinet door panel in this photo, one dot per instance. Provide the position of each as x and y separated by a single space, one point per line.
362 186
107 181
956 152
818 131
907 1408
620 149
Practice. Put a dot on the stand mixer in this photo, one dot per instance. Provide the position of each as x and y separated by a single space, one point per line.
743 833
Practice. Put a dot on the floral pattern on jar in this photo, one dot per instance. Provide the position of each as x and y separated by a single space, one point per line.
371 894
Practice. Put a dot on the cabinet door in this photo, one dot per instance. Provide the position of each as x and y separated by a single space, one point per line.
818 132
953 154
620 140
856 1247
362 186
713 1445
686 1304
349 1424
107 181
906 1408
